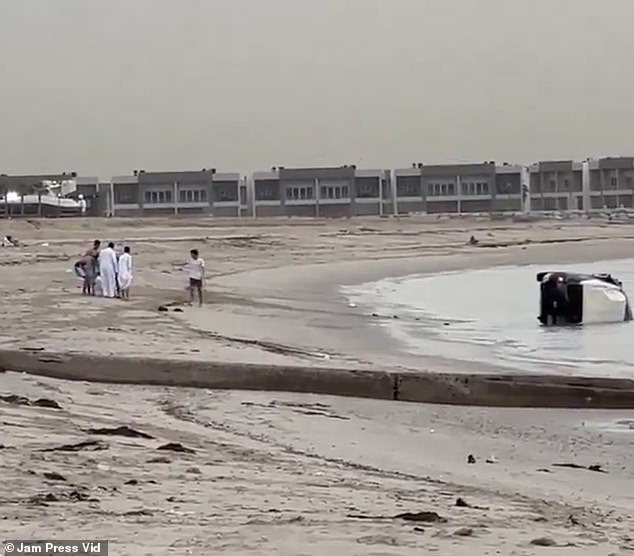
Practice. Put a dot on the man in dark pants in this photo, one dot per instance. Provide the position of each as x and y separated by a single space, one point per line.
196 274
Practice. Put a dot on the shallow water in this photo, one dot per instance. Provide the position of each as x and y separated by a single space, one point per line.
490 316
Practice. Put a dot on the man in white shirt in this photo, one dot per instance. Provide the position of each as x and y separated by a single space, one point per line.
108 271
124 273
82 205
196 273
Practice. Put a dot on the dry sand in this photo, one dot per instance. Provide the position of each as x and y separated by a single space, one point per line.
270 476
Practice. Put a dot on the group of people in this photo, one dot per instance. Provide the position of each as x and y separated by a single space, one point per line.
106 272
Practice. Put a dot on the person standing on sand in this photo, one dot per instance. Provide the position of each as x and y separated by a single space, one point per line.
82 269
90 267
108 271
124 274
196 273
117 253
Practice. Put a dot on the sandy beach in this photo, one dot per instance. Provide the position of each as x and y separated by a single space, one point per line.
281 473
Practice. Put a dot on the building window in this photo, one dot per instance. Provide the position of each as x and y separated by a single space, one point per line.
613 182
408 186
441 189
192 196
299 193
628 180
158 197
566 184
508 184
333 192
367 187
266 190
126 194
225 191
475 188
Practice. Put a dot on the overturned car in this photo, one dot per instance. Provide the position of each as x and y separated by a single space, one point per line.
569 298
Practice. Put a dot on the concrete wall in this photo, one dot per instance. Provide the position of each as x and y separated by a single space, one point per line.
506 204
226 211
475 205
335 210
300 210
269 210
368 209
435 207
407 206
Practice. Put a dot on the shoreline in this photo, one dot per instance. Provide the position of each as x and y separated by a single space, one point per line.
435 314
492 390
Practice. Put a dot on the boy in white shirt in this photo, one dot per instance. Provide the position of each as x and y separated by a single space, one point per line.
196 273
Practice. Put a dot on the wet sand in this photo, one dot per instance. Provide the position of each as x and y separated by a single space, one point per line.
262 487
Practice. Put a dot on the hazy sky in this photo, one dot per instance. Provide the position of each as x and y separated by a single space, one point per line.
106 86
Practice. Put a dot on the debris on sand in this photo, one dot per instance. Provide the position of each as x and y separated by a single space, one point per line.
43 499
471 459
176 447
596 468
462 503
463 532
53 476
159 459
543 541
90 445
426 517
123 430
573 520
141 512
14 399
137 482
45 402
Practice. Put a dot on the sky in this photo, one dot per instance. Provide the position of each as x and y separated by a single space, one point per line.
103 87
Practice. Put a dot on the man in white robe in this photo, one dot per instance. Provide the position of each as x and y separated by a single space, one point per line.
108 271
124 274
